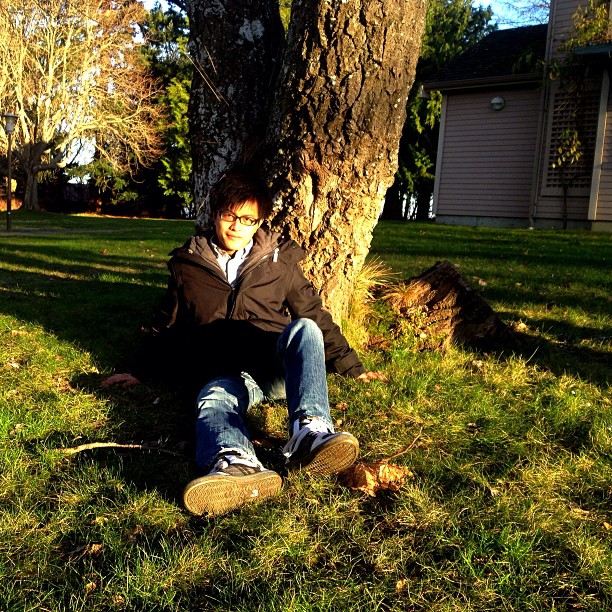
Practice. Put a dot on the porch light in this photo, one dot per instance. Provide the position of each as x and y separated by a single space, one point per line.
497 103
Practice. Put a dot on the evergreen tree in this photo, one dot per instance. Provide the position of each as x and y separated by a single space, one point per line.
167 33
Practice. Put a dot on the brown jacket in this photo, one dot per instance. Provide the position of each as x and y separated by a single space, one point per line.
207 328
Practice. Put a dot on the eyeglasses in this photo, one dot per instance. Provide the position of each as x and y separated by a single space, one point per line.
227 215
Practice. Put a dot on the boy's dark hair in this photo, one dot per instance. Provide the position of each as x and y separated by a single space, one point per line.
237 187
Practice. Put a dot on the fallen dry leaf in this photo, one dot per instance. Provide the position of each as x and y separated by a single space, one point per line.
136 532
372 477
94 549
16 429
263 442
519 326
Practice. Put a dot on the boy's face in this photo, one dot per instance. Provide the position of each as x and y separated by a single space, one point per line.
234 233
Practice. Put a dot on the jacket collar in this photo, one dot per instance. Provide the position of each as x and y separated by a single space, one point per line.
265 242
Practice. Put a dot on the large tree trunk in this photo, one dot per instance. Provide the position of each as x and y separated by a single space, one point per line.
236 47
338 112
29 157
338 116
30 198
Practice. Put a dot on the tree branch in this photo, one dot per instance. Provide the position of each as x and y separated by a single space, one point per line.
91 445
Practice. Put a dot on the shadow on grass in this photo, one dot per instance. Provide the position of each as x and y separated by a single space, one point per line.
105 319
100 317
100 304
566 358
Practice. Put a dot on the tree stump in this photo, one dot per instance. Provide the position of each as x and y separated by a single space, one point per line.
442 308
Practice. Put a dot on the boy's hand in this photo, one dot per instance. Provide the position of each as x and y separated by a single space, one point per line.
125 380
368 376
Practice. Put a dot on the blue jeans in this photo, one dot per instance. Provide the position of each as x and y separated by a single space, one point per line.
224 401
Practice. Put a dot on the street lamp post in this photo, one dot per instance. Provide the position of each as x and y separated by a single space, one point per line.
10 121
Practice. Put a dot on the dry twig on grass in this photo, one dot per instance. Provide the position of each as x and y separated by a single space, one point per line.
92 445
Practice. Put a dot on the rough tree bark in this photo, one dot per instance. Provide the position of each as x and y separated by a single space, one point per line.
337 115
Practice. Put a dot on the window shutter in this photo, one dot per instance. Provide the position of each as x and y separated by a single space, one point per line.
573 111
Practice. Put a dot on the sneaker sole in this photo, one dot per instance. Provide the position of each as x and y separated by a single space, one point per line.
331 457
216 494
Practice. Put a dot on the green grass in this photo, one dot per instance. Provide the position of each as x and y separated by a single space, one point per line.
509 508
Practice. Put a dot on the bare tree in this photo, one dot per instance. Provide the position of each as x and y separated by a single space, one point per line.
73 73
332 110
523 12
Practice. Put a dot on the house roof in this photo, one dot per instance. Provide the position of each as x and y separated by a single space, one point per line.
603 49
503 56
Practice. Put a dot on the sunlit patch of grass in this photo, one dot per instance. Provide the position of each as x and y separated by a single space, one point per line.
372 278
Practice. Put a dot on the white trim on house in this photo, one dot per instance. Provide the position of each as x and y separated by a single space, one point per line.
439 157
599 146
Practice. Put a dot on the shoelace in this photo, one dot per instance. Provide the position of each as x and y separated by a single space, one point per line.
313 424
225 461
319 433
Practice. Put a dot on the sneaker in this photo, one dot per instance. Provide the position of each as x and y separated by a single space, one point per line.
232 483
315 449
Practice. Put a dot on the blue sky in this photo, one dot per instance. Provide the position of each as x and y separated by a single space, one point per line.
500 12
498 9
504 14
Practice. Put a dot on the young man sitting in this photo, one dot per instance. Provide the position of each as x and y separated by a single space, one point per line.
242 323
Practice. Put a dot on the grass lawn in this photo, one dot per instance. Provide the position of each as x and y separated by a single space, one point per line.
509 505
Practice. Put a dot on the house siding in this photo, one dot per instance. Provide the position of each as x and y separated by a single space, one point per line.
503 168
486 164
562 21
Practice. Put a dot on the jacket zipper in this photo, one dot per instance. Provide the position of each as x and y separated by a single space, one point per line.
231 300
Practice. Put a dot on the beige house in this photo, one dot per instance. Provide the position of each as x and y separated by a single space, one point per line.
502 124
